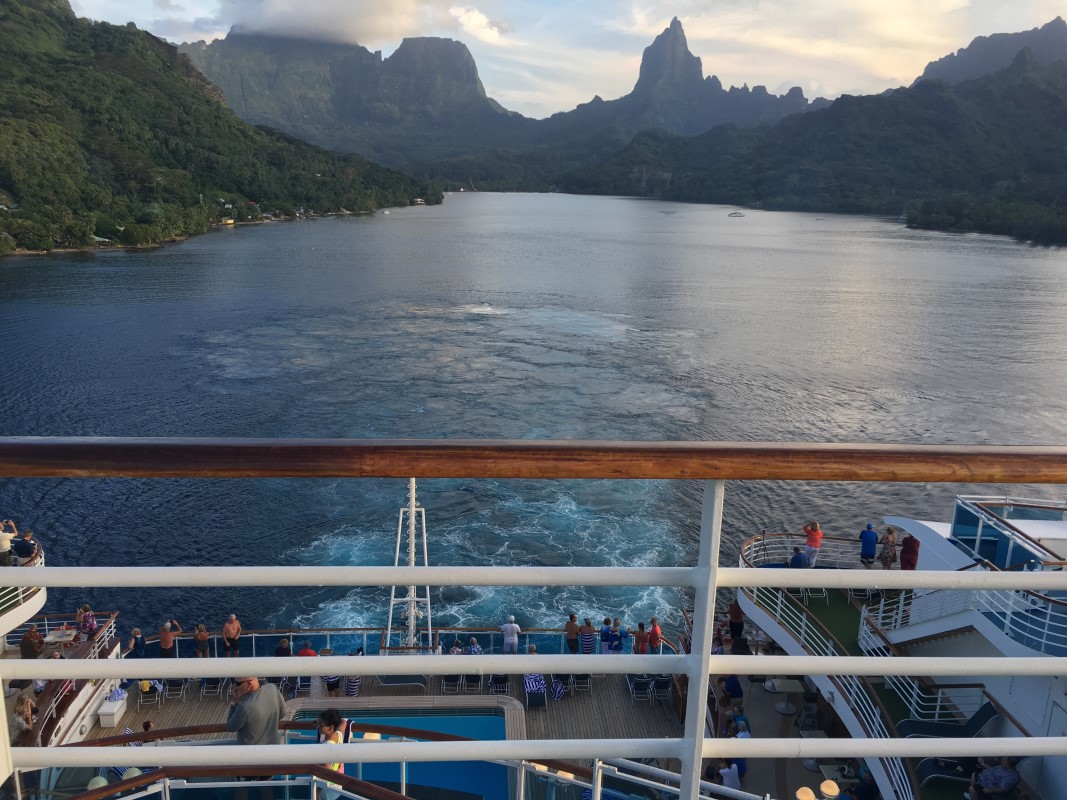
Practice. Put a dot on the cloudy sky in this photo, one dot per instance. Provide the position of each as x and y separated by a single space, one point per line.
546 56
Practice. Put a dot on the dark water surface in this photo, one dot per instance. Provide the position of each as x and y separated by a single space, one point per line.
512 316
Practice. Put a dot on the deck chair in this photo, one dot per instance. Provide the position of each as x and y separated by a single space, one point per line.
301 685
149 693
932 769
535 691
175 687
972 727
472 684
582 683
500 684
451 684
816 593
662 687
212 687
640 687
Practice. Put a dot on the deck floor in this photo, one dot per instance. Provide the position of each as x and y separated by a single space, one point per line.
605 712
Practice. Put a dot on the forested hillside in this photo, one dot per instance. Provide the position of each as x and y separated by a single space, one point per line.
987 155
107 131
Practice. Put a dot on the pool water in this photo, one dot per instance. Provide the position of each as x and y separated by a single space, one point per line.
434 779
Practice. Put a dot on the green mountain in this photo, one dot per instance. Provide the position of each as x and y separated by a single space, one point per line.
108 131
988 54
986 155
424 109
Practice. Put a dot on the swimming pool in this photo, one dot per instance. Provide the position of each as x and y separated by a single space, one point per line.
460 779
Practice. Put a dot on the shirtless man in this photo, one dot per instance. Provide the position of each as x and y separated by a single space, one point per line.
231 633
167 631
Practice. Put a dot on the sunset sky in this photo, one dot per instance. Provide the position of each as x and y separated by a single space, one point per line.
541 57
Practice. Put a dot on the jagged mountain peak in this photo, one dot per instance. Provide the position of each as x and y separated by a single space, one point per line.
989 54
668 62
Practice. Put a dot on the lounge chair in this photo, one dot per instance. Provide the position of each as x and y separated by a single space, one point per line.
932 769
403 680
972 727
582 683
472 684
662 686
500 684
451 684
212 687
640 687
535 690
150 695
175 687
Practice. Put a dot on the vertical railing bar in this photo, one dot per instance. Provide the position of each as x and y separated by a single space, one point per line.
699 660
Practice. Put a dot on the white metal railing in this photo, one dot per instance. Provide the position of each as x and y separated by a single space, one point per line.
858 694
944 703
14 596
704 577
1026 617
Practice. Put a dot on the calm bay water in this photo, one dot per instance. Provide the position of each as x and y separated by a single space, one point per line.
512 316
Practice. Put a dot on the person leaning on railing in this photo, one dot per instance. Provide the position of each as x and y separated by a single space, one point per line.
25 548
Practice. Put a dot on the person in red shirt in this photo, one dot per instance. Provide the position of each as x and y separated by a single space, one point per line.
814 541
909 552
655 637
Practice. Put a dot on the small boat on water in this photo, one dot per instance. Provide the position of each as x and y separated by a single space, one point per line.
735 214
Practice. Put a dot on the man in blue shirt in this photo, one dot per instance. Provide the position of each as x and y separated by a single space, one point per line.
799 559
868 545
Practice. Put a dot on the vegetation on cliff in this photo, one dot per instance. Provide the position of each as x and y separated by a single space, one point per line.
108 132
988 155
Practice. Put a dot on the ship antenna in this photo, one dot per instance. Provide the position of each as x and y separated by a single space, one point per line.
412 522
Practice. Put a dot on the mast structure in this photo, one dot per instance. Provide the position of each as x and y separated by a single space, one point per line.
410 531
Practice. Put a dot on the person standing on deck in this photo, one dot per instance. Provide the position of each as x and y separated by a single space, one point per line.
587 638
571 628
909 552
813 543
25 548
616 636
868 546
8 532
640 640
254 718
167 633
137 644
605 636
737 620
231 636
888 556
511 633
655 637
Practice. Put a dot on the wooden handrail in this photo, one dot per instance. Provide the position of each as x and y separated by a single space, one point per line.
54 457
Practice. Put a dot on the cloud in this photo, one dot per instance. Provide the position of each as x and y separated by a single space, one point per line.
370 23
474 23
167 5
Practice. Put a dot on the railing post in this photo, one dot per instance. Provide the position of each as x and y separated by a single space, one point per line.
699 660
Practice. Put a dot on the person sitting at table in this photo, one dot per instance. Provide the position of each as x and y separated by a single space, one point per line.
731 689
799 560
735 717
32 643
742 763
998 778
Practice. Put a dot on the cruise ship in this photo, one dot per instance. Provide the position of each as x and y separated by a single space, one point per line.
878 669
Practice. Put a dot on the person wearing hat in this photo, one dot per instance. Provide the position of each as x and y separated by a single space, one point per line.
868 546
511 633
